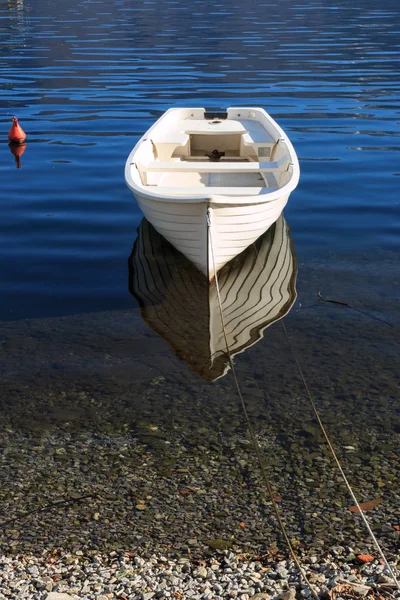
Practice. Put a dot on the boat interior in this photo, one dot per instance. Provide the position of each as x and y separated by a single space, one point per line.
225 152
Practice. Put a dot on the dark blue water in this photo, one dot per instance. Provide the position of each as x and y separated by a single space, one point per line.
88 78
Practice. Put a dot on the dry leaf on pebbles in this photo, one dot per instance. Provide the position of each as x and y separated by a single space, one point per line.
366 505
345 590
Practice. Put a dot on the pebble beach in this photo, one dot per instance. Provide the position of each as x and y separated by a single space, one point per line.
227 575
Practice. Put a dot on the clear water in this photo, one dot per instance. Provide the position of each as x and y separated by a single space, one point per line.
86 79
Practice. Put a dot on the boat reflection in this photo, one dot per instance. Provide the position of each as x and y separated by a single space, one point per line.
257 288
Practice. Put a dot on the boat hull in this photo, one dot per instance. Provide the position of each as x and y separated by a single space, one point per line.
211 231
212 185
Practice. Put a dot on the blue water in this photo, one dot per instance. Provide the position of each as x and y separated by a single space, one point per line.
87 78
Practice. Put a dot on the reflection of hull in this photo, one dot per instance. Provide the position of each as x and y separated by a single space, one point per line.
177 301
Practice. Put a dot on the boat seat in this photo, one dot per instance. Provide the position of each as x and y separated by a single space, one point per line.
206 127
206 158
260 140
201 192
179 138
165 144
256 134
213 167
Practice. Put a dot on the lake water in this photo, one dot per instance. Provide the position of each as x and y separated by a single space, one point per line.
79 366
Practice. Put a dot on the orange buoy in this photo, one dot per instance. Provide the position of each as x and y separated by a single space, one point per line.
16 134
17 149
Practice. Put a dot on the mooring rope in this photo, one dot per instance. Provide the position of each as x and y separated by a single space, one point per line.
362 312
250 428
331 448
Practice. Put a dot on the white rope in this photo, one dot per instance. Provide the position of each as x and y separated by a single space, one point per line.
338 462
251 432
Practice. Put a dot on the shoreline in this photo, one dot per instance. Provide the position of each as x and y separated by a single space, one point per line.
127 576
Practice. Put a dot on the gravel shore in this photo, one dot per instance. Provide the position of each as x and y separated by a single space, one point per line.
104 577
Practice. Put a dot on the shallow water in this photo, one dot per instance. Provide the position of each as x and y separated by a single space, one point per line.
76 359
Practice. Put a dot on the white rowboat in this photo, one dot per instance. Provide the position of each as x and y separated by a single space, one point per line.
224 176
257 288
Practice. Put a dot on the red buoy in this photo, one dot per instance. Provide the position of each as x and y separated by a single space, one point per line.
17 149
16 134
